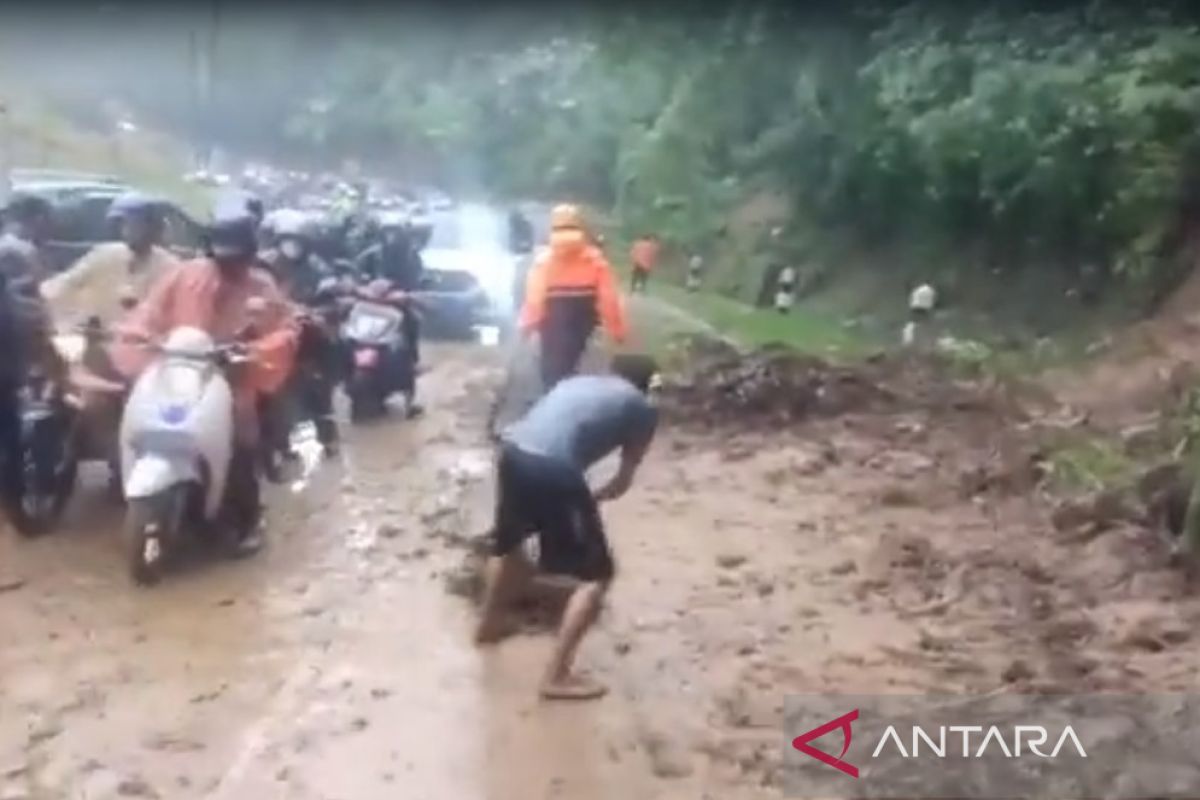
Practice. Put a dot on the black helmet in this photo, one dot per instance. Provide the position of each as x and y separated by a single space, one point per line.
255 207
232 236
23 206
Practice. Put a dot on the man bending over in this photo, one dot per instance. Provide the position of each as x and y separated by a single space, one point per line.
542 488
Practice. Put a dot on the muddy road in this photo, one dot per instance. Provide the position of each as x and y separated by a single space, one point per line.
843 555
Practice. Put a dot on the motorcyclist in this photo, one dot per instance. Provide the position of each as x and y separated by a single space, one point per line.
397 259
306 279
102 286
24 332
111 275
227 296
569 289
520 232
27 221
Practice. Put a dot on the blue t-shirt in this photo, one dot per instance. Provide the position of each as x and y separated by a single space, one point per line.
584 418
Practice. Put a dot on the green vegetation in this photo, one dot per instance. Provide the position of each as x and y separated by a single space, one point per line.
1037 160
806 330
42 138
991 143
1089 464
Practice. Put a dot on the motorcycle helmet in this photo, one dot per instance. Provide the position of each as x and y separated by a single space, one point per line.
254 206
566 217
232 236
292 232
567 230
25 206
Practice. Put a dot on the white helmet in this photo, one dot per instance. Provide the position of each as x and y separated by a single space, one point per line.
923 298
288 222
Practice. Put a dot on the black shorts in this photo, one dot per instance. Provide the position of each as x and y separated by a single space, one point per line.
541 495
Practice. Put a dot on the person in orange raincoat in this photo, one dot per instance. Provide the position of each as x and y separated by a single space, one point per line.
229 297
644 257
570 289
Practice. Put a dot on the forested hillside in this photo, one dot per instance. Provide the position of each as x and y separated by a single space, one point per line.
1006 142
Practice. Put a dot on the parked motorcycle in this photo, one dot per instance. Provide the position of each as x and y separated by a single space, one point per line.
380 357
96 392
176 446
48 457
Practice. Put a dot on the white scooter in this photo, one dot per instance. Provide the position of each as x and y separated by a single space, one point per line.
176 445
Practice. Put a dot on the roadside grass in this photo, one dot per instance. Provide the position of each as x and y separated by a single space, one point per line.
804 329
1088 463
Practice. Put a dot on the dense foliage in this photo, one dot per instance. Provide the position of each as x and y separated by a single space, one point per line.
1062 137
1059 135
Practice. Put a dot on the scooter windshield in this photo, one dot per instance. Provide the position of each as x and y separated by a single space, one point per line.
181 383
370 323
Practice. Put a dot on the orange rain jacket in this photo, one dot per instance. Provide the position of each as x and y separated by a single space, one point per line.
196 294
572 269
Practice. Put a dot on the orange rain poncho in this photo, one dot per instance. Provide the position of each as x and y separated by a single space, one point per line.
198 295
572 268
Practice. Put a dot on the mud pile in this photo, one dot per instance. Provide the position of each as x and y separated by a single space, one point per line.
779 386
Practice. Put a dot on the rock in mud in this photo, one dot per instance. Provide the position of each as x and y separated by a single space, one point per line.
844 567
388 531
1153 634
1163 584
465 581
43 730
666 761
898 496
136 787
171 743
1017 672
11 584
730 560
1097 512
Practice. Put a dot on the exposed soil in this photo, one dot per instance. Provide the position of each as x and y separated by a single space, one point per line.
798 527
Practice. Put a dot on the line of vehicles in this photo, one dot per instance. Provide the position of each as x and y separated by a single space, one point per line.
167 439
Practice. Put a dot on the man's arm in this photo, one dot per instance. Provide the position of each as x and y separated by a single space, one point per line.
62 290
631 458
608 300
364 262
275 349
533 309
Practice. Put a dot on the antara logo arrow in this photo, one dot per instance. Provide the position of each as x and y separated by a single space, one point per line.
801 743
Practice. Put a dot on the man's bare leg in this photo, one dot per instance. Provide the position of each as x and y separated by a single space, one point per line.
581 612
503 576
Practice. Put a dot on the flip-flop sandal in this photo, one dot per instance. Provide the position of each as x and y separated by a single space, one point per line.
575 688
